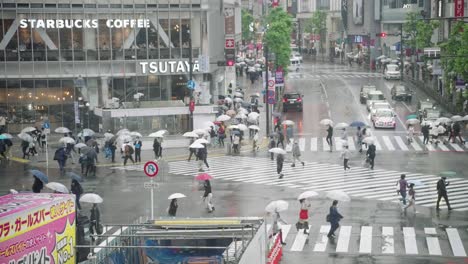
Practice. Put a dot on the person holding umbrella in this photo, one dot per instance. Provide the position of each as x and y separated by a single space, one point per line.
359 137
172 211
346 155
296 152
235 143
95 222
202 155
334 218
221 135
304 215
255 147
276 228
442 192
192 150
128 153
425 132
208 196
77 190
37 185
137 145
61 157
412 198
280 139
272 145
330 136
289 134
371 154
279 165
24 148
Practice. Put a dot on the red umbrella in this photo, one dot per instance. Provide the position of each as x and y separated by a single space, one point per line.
203 177
217 122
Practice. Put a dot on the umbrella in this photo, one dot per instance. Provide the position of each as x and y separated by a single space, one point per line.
208 124
159 133
228 99
306 195
242 111
465 118
88 132
203 177
288 123
231 112
28 129
416 182
58 187
277 206
176 196
368 140
67 140
456 118
136 134
201 141
426 123
412 121
196 145
443 120
3 136
62 130
326 122
238 94
448 174
190 134
223 107
235 132
123 132
40 175
277 151
338 195
233 127
412 116
255 95
242 127
8 136
74 176
238 100
200 131
253 115
125 138
86 150
108 135
13 191
254 127
223 118
91 198
25 137
276 114
381 57
341 125
357 124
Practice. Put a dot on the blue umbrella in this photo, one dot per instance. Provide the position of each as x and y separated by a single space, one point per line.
74 176
40 175
3 137
235 132
357 124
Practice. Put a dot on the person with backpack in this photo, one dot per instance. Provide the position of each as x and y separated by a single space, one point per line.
25 148
425 132
137 145
371 155
60 156
457 133
334 218
128 153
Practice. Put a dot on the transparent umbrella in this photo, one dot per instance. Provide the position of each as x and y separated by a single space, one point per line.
28 129
277 206
58 187
62 130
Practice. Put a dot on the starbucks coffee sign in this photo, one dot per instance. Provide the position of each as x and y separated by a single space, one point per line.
168 67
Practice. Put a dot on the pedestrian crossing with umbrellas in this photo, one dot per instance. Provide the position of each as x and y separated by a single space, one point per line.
304 75
377 240
358 182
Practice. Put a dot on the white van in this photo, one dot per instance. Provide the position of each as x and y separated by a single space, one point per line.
294 64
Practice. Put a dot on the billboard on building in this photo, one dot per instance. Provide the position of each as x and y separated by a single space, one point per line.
358 12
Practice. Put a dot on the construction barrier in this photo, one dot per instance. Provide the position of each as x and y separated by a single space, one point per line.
276 252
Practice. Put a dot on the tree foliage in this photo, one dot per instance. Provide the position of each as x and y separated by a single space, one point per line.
419 31
454 52
317 24
247 19
278 36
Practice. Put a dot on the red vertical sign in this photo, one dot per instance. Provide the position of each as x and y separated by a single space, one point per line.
459 8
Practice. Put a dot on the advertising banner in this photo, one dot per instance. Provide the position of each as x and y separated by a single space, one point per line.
37 228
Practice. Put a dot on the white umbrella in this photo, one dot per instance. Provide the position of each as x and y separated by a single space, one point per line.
242 127
176 196
159 133
67 140
223 118
326 122
416 182
231 112
341 125
443 120
208 124
190 134
125 138
277 151
381 57
241 116
233 127
228 99
338 195
196 145
395 61
238 94
368 140
58 187
13 191
288 123
28 129
201 141
426 123
91 198
123 132
238 100
277 206
253 115
136 134
80 145
243 111
412 121
88 132
9 136
456 118
254 127
200 131
108 135
25 137
465 118
307 194
62 130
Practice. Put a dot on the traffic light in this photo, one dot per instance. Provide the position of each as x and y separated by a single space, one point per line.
229 62
381 34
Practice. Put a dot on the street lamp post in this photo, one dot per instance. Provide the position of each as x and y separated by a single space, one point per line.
401 52
267 107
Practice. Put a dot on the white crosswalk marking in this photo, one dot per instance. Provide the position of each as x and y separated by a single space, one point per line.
299 241
455 242
326 147
301 143
377 144
388 143
410 240
388 244
432 240
366 240
322 240
456 147
415 145
401 144
343 239
442 147
313 144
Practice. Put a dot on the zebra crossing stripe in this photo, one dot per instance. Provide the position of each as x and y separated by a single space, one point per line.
366 240
343 239
313 144
338 144
388 143
416 145
410 240
401 144
377 144
443 147
388 244
322 241
456 147
432 241
299 241
301 143
351 144
455 242
326 147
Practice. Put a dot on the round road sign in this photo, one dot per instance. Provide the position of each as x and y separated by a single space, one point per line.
271 83
151 169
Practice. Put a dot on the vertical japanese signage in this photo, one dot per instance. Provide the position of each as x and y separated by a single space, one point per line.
230 46
459 8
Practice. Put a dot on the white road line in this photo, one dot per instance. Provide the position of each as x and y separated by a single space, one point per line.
338 143
456 147
366 240
299 241
313 144
443 147
388 143
455 242
416 146
343 239
301 144
325 144
400 143
285 231
410 240
388 243
322 241
351 144
428 146
432 241
377 144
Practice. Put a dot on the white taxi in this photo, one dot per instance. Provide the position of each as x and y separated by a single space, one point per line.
384 118
377 106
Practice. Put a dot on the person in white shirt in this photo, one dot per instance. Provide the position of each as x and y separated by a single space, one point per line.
346 154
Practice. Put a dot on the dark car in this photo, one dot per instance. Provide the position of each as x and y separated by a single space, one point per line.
400 92
365 89
292 101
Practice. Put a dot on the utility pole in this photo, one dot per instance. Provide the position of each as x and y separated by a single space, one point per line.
401 52
190 78
267 107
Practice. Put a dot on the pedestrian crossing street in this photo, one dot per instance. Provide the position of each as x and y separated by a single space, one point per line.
382 143
305 75
358 182
376 240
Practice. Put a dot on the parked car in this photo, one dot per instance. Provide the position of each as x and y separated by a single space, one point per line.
292 101
392 71
297 55
374 96
377 106
384 118
400 92
294 64
365 89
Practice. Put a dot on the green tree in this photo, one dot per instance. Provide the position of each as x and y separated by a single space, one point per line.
247 19
317 25
419 31
278 36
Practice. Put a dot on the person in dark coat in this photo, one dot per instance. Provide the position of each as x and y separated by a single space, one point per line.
192 150
208 196
371 155
156 147
272 145
442 192
330 136
334 218
280 139
202 155
94 221
425 132
37 185
90 164
173 208
61 157
279 165
24 148
77 190
112 148
2 149
137 145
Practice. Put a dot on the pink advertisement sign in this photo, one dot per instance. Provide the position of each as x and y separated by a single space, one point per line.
37 228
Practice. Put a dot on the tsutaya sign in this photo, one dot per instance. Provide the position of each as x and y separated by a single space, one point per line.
168 66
